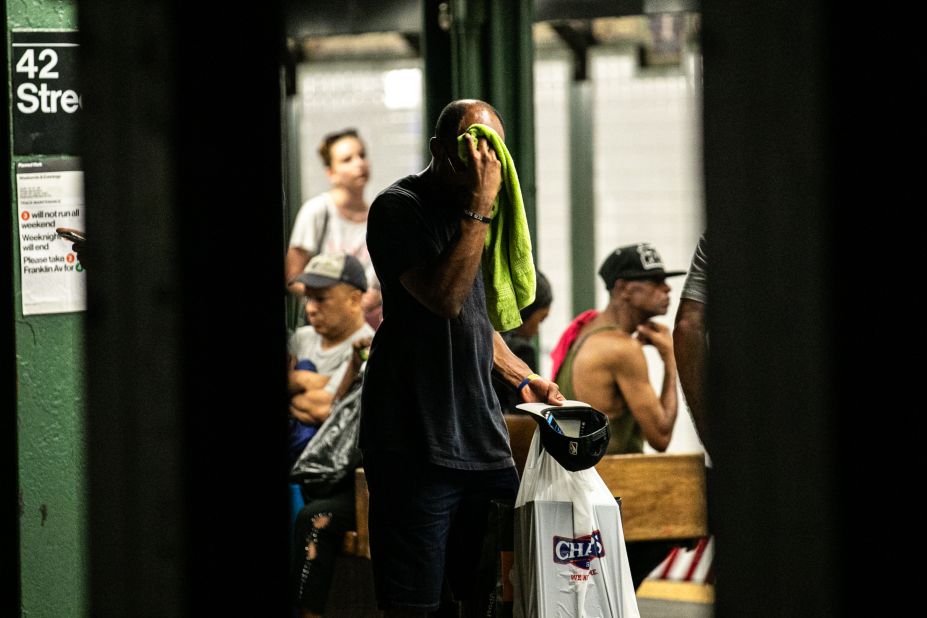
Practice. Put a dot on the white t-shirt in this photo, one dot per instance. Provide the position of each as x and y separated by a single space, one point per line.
341 235
306 344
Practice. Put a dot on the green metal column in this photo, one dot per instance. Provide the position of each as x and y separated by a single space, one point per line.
290 111
9 459
582 197
468 46
511 90
49 410
290 105
579 39
436 56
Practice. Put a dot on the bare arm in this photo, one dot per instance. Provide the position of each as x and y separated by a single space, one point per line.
513 370
310 403
656 416
692 355
296 260
311 407
359 347
443 285
299 380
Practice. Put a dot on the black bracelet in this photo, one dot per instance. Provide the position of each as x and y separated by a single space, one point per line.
478 217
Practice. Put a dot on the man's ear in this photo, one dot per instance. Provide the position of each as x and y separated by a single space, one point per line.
618 288
328 172
433 147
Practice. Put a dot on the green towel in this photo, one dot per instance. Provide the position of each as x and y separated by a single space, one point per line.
508 266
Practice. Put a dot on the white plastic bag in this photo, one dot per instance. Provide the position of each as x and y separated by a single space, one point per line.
570 556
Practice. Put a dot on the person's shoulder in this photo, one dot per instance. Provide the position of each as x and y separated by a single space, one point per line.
404 191
614 346
701 249
316 203
616 353
396 208
311 213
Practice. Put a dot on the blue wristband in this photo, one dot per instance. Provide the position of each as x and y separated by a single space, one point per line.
529 378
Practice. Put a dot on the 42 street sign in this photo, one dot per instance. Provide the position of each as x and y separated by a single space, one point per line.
46 100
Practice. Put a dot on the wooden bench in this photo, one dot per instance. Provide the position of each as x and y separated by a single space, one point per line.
662 495
357 543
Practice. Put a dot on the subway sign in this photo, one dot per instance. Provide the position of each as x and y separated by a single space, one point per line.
47 101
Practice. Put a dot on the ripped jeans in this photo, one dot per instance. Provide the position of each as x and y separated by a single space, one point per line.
318 539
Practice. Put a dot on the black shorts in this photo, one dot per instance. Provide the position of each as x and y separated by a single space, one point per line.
426 523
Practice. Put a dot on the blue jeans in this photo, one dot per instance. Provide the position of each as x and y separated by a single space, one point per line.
426 523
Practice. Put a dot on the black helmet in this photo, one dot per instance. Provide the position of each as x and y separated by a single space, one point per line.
575 434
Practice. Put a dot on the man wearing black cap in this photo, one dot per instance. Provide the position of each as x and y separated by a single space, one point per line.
605 366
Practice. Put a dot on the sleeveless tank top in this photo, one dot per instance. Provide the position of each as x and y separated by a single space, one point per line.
626 436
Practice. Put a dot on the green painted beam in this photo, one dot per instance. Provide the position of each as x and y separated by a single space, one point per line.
582 197
436 60
49 410
468 47
511 90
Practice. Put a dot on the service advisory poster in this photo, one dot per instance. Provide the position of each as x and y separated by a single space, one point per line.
50 194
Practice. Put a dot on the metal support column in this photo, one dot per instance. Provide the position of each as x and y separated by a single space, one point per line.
511 90
468 47
582 197
436 58
579 38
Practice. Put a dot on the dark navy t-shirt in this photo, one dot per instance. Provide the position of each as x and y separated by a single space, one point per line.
427 388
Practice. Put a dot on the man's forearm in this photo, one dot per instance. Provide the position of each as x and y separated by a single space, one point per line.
314 405
513 370
296 260
506 363
299 380
691 351
668 395
302 416
444 285
692 355
350 374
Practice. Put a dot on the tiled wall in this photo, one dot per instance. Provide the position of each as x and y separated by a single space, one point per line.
381 100
648 182
551 117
